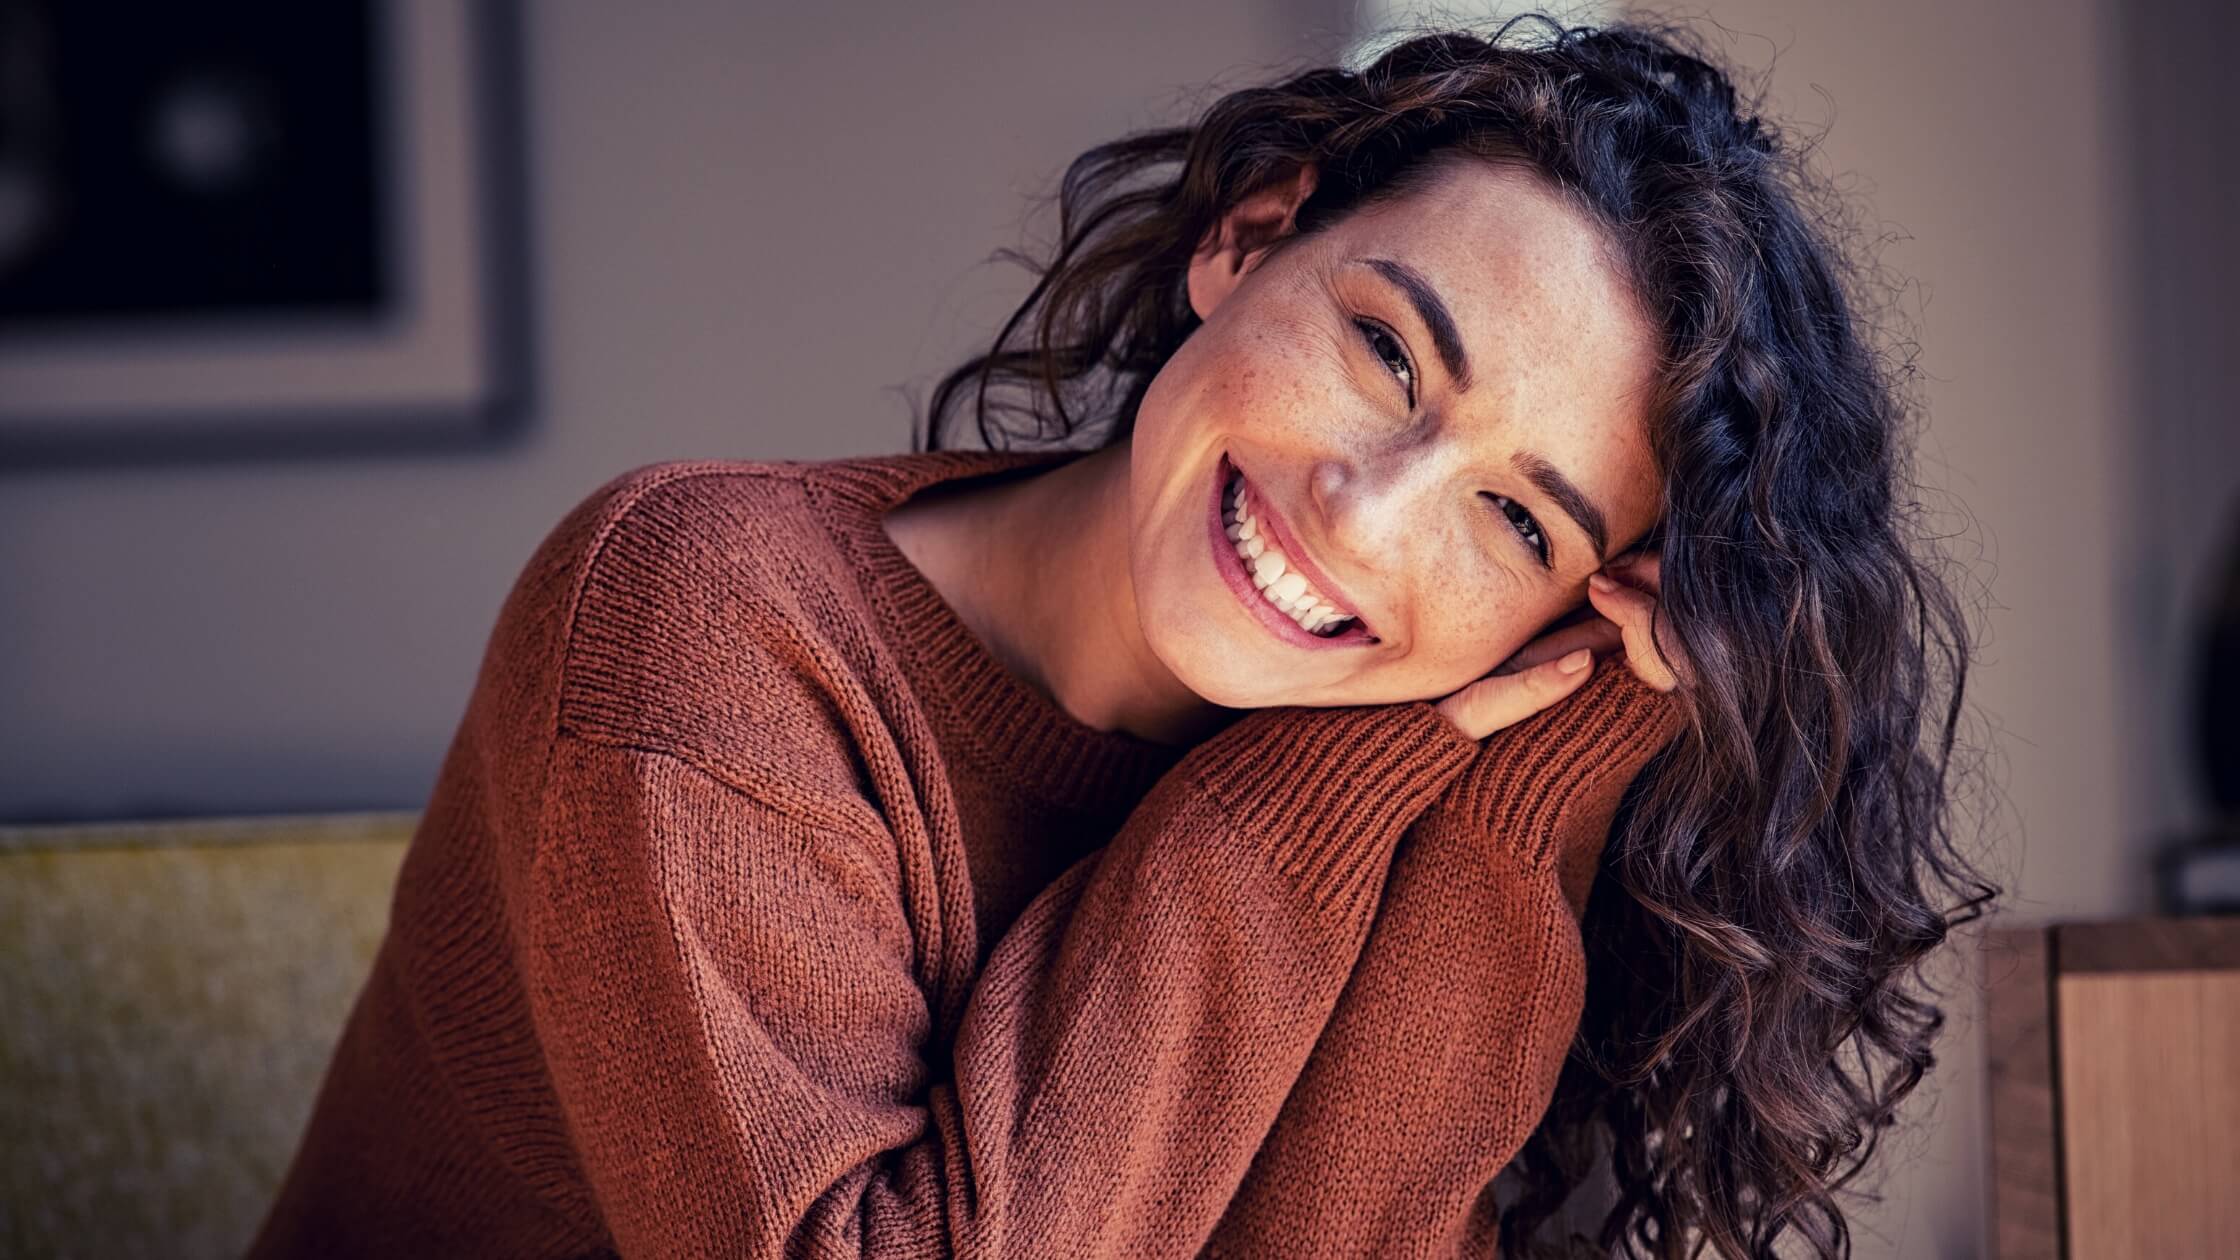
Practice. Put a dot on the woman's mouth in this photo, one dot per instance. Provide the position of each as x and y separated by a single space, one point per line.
1265 577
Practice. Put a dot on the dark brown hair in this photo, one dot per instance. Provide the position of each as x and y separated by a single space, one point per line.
1777 877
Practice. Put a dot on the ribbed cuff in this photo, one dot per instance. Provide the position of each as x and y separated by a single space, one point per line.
1529 779
1329 790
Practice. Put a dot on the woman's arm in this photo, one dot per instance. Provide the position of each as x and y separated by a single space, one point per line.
735 1011
1444 1050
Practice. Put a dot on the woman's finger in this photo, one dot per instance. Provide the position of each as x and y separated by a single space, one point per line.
1500 700
1635 612
1599 635
1638 569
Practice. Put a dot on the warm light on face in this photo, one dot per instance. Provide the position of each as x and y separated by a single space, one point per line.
1439 400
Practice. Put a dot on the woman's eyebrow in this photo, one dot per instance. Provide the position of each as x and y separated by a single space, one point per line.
1575 504
1432 310
1531 465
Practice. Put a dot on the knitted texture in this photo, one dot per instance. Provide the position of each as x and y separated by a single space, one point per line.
759 910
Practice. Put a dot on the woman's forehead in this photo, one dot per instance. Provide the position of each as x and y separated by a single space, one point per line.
1518 277
1499 236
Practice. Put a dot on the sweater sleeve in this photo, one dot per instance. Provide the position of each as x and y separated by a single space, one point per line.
729 995
1445 1048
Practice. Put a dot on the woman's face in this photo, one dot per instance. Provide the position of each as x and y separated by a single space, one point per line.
1420 400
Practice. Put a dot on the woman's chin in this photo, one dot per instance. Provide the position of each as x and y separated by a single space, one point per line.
1203 672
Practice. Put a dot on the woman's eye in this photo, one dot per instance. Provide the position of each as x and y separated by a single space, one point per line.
1379 342
1527 528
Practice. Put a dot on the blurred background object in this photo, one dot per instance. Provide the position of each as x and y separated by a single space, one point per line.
2115 1112
221 160
256 226
231 658
2200 871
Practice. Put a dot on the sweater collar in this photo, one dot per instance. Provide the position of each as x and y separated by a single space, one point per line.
1015 732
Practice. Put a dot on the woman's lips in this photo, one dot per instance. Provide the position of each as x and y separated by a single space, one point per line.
1296 555
1231 566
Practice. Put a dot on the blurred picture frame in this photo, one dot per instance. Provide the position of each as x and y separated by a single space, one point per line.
259 228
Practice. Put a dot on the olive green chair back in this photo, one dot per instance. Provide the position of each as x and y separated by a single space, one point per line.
169 995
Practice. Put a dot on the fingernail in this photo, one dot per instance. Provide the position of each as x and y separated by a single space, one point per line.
1575 662
1602 582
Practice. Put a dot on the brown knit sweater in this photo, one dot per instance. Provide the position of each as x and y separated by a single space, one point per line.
759 911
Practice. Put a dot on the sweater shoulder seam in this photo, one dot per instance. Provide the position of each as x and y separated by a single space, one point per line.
631 488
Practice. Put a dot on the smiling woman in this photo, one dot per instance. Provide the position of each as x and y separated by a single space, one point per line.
1531 344
1401 390
1215 836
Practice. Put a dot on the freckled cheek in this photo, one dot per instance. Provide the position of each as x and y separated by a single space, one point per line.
1283 379
1474 615
1240 371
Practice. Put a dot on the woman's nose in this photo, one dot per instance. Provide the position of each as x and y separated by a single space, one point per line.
1375 509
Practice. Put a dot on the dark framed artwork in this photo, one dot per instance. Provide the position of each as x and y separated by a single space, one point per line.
258 226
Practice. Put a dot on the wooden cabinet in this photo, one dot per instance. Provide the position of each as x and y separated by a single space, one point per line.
2115 1090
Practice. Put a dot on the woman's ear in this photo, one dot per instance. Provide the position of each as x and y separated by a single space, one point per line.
1238 242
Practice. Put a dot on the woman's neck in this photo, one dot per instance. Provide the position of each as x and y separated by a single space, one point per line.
1037 567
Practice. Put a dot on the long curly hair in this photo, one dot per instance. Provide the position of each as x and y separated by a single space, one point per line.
1776 878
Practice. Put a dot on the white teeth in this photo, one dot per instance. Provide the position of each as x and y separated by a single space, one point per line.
1283 587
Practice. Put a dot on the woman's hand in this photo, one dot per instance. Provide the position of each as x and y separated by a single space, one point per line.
1619 616
1625 593
1505 699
